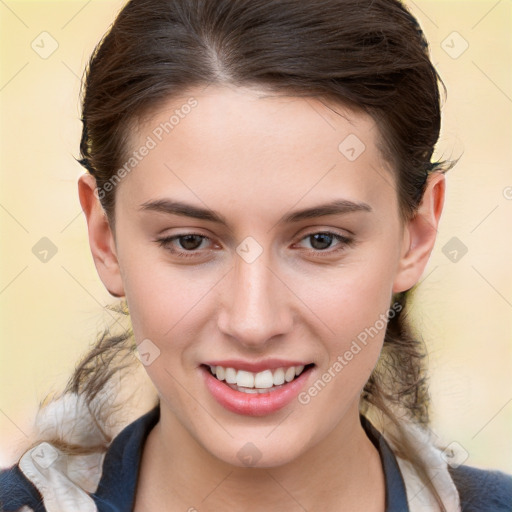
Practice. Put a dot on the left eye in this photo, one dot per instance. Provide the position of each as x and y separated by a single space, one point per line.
323 240
191 242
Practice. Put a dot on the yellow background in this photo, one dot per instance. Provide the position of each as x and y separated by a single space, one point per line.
51 311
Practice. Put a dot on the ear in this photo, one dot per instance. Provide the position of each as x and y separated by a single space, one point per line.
101 238
420 234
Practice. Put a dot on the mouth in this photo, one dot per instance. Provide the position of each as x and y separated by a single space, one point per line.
255 393
265 381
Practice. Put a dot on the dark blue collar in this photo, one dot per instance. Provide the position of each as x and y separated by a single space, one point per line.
118 482
396 496
116 489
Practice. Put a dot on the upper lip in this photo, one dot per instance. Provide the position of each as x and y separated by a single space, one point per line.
255 366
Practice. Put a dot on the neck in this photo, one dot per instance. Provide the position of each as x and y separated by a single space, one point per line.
342 472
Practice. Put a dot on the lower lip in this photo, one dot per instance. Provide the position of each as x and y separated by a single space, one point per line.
254 404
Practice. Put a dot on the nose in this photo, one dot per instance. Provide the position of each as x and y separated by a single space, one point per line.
256 304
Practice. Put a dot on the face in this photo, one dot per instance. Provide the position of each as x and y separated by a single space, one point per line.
258 238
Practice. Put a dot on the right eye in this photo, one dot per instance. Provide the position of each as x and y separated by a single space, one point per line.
189 243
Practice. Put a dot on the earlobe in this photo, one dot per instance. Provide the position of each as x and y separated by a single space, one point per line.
420 234
101 239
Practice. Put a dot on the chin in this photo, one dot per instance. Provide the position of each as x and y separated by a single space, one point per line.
258 451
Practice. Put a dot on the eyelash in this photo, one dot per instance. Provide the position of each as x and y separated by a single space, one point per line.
344 243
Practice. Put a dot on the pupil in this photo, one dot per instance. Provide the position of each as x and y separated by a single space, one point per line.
187 245
324 238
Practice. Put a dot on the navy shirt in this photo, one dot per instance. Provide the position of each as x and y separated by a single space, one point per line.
480 490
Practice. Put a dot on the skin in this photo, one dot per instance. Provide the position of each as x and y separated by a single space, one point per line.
253 156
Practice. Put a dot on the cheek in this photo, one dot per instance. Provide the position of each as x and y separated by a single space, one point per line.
163 299
164 307
356 311
352 298
355 305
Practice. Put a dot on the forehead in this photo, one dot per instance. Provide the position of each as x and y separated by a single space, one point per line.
248 147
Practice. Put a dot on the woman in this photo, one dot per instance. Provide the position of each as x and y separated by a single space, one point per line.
261 194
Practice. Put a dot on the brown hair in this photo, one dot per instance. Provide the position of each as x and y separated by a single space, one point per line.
370 55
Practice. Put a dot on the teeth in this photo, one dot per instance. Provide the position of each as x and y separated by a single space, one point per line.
252 382
230 375
264 379
289 374
220 372
244 379
278 377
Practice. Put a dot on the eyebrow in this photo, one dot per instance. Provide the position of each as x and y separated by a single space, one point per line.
174 207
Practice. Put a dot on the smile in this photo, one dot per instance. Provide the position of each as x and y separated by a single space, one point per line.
251 382
255 393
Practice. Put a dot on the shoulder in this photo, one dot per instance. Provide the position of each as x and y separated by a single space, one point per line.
77 481
482 490
17 493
